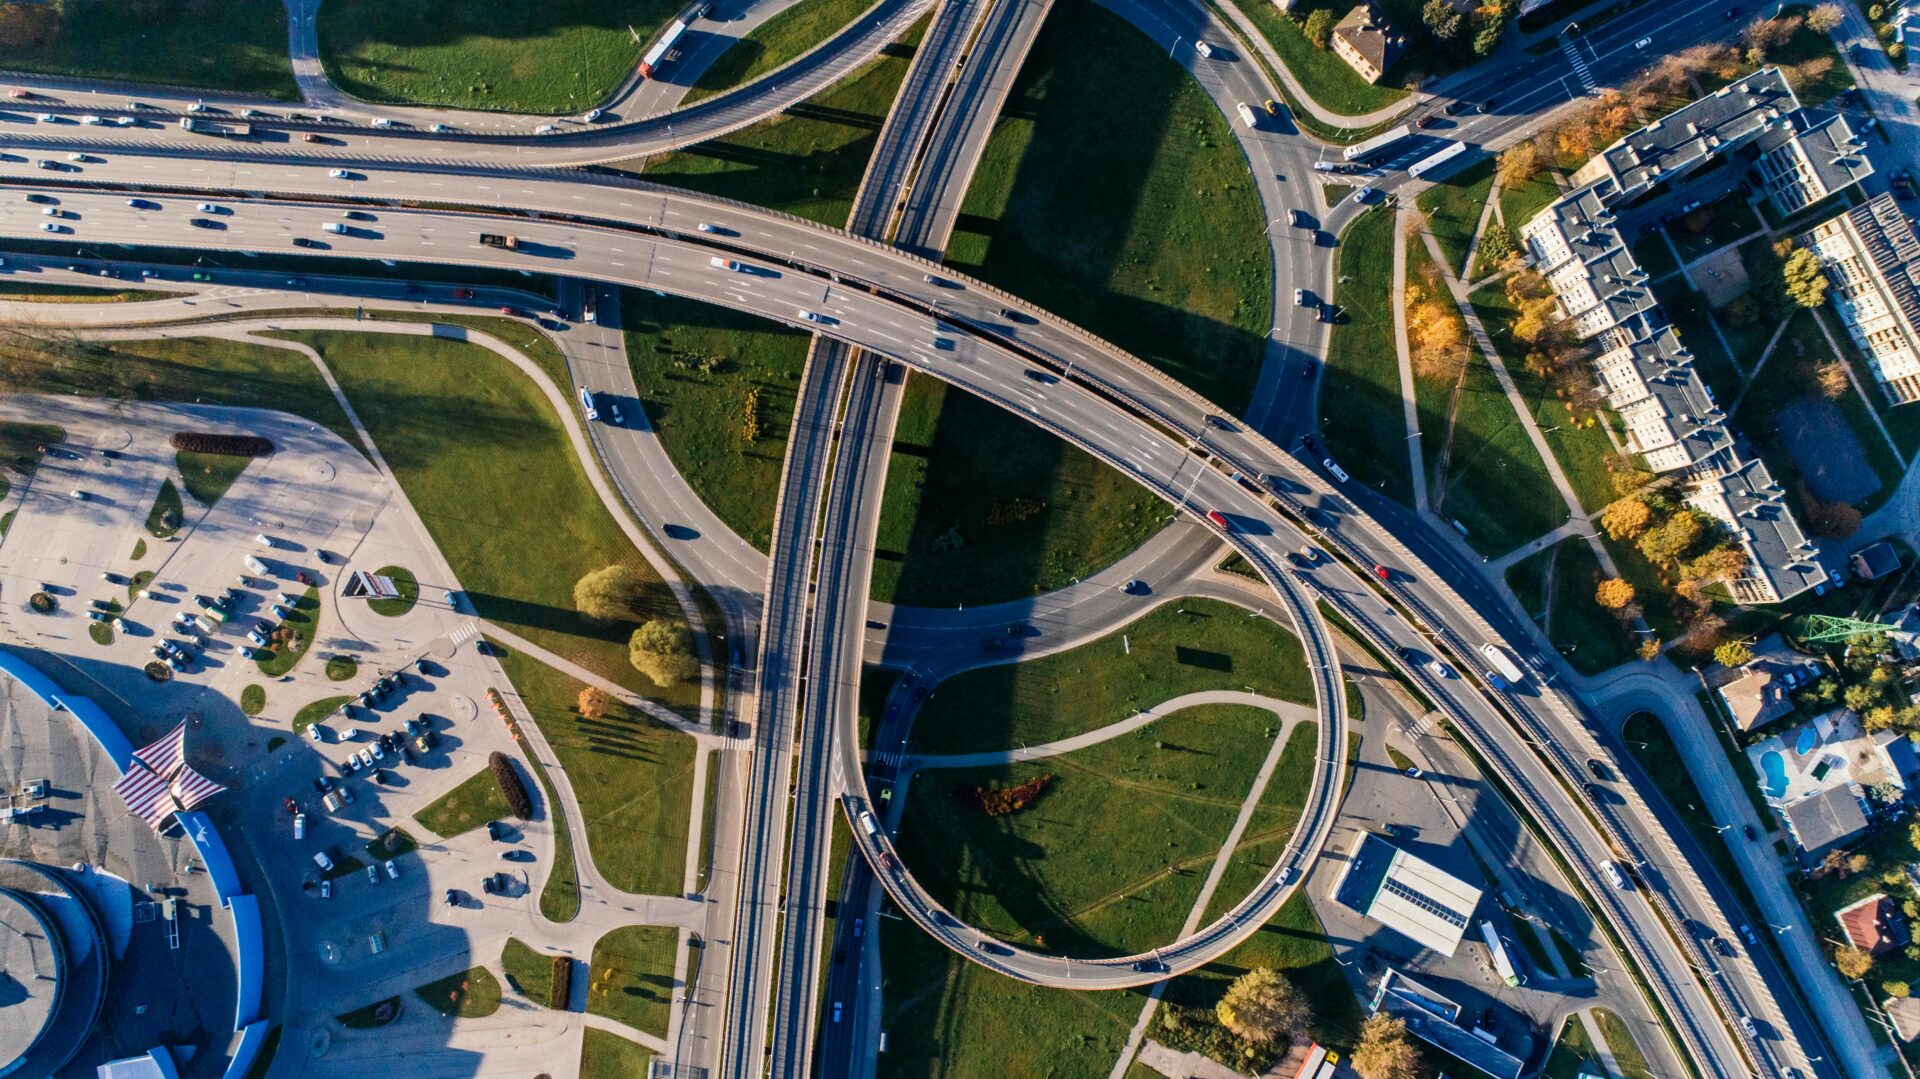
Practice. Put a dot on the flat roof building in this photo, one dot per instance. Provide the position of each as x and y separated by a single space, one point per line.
1871 258
1415 898
1435 1019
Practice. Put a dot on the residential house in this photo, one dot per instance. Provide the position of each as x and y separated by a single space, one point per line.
1762 690
1368 42
1874 924
1824 776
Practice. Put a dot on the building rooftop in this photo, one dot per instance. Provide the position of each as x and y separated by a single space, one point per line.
1887 238
32 974
1367 32
1406 894
1904 1014
1804 160
1875 561
1827 819
1432 1018
1692 135
1873 924
1745 497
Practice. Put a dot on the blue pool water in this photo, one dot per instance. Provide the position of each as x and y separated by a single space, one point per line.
1804 744
1773 771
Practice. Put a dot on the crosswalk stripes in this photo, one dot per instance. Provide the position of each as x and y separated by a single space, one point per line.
467 632
1579 66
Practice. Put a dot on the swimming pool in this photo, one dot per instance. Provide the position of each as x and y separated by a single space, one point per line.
1773 772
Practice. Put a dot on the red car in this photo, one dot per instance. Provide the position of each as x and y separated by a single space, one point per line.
463 294
1219 520
1381 572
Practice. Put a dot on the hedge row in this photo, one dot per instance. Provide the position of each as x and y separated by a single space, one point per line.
225 445
1000 801
562 991
510 785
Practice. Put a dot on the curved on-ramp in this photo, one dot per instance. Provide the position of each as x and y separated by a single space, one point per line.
879 292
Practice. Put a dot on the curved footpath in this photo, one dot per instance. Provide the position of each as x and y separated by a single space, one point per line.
1287 712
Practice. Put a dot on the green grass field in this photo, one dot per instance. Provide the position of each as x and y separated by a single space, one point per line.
1527 580
631 977
695 365
1496 485
633 778
405 584
982 506
341 668
167 513
558 56
529 973
208 370
1633 1064
20 449
253 699
474 802
787 36
807 161
236 45
208 475
1111 857
1145 227
1333 84
1360 403
470 994
486 463
1573 1055
303 619
315 711
1453 206
609 1056
1518 204
1272 823
1177 648
45 292
949 1018
1591 638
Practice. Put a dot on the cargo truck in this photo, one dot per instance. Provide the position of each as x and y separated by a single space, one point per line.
495 239
233 129
1503 666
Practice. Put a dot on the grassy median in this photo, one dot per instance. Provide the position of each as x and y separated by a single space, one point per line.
234 45
1361 416
785 37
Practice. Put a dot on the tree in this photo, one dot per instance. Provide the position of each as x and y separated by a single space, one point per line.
1806 283
1626 518
1831 378
1861 696
662 649
1670 540
1852 963
1823 19
1857 864
1262 1007
1896 989
1385 1051
1519 163
607 594
1766 35
1649 649
1723 563
1613 594
593 703
1441 20
1488 38
1733 654
1319 27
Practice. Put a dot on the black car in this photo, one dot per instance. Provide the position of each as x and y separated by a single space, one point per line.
38 198
1485 105
493 829
1720 945
305 241
1150 966
1455 108
1599 770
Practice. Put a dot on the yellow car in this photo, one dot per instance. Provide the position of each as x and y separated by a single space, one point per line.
1273 107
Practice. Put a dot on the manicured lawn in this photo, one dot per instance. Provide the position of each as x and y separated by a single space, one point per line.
1579 442
1496 483
45 292
208 370
552 57
303 620
1789 377
1591 638
1453 207
341 668
253 699
474 802
1527 580
470 994
695 365
1902 423
1803 46
237 45
19 449
1336 86
167 507
316 711
632 775
1361 416
1272 823
1725 221
807 161
787 36
1177 648
403 583
1144 227
1520 203
1633 1064
1655 254
609 1056
950 1018
208 475
489 468
982 506
1573 1054
631 977
1110 858
529 973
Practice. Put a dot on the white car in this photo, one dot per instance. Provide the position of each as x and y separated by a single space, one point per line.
208 208
438 129
592 115
545 129
452 599
815 316
320 859
393 871
1643 43
334 227
1203 49
1338 472
707 227
48 226
1439 669
92 119
339 174
586 404
198 106
1300 297
373 874
1362 195
381 121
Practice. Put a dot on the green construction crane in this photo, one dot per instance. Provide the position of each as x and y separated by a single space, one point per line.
1826 628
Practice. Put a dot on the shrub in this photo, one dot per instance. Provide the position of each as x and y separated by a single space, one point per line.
510 785
663 650
1000 801
225 445
1014 510
561 992
608 594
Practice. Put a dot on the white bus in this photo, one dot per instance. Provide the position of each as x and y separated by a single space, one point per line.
1438 160
1362 150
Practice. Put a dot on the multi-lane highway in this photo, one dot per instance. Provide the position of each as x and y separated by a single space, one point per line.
1109 403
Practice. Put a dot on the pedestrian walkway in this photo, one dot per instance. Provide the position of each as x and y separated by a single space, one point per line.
1409 398
1571 49
1287 712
